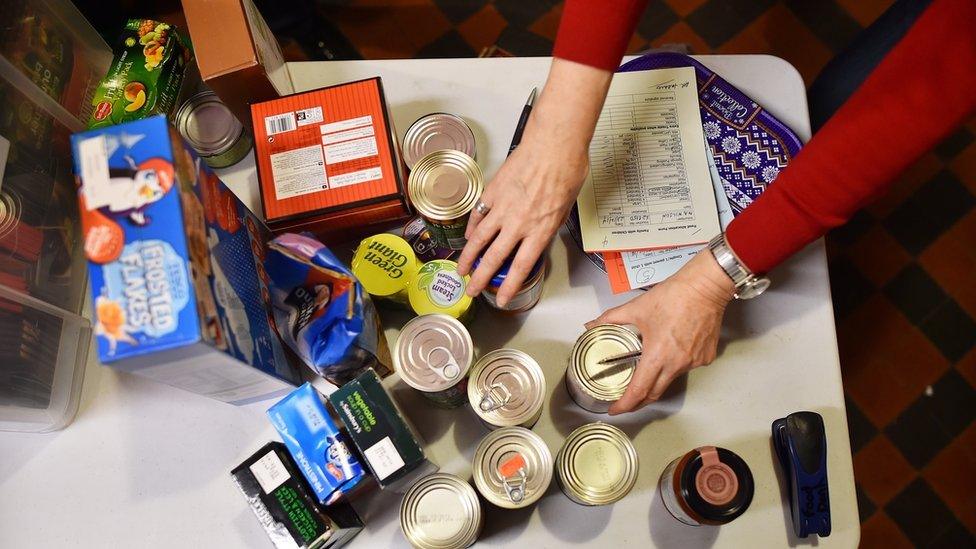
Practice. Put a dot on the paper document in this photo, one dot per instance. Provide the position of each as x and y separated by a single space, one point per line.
648 185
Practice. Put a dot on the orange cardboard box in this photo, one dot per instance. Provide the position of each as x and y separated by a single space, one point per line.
329 163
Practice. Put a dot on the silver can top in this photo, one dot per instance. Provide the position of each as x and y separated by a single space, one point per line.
597 464
512 467
440 511
600 381
207 124
437 132
445 185
433 352
506 387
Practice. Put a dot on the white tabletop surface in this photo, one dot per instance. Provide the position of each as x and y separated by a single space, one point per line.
146 465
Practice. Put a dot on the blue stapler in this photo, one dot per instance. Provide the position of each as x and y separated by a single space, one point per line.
801 447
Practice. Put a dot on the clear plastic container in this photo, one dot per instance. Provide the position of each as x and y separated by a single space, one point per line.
51 61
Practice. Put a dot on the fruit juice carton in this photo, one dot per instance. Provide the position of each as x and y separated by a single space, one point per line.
176 266
146 76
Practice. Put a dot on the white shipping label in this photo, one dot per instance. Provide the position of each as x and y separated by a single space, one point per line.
270 472
93 160
298 172
349 124
309 116
279 123
330 138
350 150
354 178
383 458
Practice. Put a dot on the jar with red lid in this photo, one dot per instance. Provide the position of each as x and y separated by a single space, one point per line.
708 485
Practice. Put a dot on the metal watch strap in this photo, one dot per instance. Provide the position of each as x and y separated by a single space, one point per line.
747 284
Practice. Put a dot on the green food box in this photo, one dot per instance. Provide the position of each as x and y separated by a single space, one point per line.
391 448
146 75
286 506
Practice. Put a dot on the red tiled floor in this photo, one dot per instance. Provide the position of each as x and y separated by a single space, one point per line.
548 24
878 255
684 7
482 29
952 474
887 362
967 366
881 470
779 31
682 33
881 532
381 29
951 260
865 11
964 166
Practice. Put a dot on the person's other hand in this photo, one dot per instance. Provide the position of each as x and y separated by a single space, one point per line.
679 320
533 191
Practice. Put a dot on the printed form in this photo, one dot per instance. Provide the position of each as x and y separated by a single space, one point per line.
648 185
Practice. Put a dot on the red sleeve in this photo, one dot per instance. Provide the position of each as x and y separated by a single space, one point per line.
919 92
596 32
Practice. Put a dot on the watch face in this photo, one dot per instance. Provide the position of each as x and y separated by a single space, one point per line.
752 288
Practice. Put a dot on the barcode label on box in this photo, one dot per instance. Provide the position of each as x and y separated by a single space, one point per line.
270 472
383 458
280 123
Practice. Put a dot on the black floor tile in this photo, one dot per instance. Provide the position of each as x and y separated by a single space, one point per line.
657 18
860 427
524 43
858 224
922 516
914 292
925 215
951 330
954 144
718 20
522 13
450 44
830 22
459 10
916 433
953 403
956 536
848 287
865 507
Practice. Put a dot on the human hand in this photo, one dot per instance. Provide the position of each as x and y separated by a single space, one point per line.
679 321
533 191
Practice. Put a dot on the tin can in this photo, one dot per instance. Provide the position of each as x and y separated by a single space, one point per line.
415 232
441 511
597 465
512 467
385 264
526 297
594 386
507 388
433 355
439 289
708 485
444 187
436 132
212 130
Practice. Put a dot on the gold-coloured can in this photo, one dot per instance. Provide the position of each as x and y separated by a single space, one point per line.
597 465
441 511
434 132
512 467
594 386
507 388
444 187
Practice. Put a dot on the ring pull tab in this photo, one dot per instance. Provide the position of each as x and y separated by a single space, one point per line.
448 368
512 471
496 396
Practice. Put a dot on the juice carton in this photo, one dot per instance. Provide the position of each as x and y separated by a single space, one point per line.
175 261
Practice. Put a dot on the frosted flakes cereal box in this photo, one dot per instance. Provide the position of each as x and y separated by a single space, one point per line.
176 266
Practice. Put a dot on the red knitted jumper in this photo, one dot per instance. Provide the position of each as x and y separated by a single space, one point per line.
922 90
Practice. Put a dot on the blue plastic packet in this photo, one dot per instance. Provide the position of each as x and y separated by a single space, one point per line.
322 312
314 440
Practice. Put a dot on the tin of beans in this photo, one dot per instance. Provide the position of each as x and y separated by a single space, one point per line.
212 130
507 388
441 511
597 465
594 386
512 467
433 355
444 187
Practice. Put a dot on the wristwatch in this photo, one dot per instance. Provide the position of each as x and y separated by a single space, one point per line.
747 284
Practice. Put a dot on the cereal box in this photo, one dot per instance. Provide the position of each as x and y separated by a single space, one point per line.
176 267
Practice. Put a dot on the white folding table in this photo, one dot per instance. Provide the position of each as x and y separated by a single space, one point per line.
146 465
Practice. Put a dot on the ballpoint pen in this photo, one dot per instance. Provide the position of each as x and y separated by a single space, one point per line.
621 358
523 119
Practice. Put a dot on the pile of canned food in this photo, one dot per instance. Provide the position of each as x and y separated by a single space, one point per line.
506 388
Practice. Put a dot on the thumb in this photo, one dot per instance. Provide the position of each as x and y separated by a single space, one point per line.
616 315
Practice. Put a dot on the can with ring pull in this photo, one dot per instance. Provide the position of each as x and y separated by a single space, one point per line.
433 354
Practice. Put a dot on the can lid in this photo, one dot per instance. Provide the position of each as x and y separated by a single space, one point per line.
384 264
444 185
598 464
717 484
435 132
604 382
433 352
440 511
512 467
207 124
506 387
502 273
439 288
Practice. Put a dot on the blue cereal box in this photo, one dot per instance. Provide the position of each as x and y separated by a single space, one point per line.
176 267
